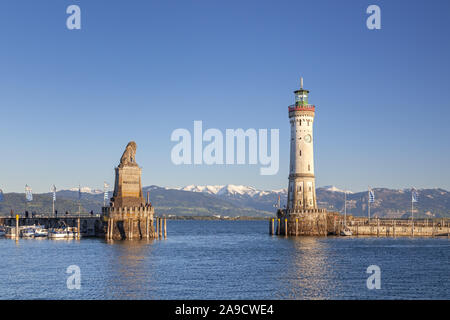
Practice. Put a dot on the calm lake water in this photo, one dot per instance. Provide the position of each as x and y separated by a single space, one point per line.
226 260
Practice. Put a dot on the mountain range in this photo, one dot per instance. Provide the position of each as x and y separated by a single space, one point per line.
241 201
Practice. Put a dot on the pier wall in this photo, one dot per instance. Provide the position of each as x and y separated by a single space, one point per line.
322 223
395 227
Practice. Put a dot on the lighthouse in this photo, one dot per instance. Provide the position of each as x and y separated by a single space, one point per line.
301 215
302 185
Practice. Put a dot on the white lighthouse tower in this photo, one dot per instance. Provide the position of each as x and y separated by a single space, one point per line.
302 185
302 216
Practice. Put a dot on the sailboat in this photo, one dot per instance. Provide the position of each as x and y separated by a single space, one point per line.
346 230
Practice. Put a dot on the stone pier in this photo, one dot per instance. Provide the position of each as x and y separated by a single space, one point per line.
319 222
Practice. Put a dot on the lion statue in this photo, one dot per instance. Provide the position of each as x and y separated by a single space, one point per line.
129 155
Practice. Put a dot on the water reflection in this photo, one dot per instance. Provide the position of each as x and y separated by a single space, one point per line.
307 271
131 273
225 260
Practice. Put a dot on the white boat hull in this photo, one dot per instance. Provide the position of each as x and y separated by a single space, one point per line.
346 233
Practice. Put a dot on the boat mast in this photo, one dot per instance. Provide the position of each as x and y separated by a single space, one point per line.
345 208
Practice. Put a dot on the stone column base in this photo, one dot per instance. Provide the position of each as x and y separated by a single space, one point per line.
303 223
132 223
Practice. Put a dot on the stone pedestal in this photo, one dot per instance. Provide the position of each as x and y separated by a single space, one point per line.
128 215
128 187
311 222
129 222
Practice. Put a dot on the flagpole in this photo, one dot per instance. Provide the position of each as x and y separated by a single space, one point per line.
412 212
79 201
345 208
26 200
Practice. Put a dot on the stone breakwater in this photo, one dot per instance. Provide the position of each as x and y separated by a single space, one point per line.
322 223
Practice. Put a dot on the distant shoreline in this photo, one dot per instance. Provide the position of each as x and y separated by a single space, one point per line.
214 218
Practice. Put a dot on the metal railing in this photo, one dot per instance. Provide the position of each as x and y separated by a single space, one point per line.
308 107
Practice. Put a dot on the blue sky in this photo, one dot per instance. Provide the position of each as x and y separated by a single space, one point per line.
70 100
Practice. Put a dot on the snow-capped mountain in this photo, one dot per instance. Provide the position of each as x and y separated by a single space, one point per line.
232 190
204 189
87 190
334 189
235 200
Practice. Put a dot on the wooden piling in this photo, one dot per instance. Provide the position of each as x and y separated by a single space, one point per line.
130 227
17 227
108 229
271 227
296 226
157 228
393 228
147 225
78 228
165 228
285 227
278 227
160 228
378 227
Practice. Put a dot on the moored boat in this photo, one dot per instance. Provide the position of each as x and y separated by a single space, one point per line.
346 232
10 232
40 232
60 233
27 232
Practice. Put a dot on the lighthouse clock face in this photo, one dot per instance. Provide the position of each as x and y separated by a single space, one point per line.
308 138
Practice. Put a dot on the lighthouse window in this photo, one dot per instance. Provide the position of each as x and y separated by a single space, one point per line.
310 202
300 153
299 188
309 167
